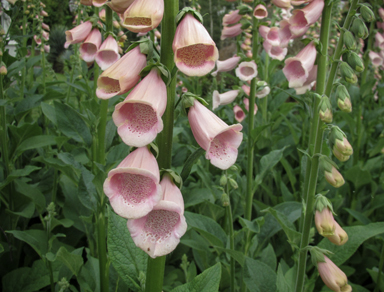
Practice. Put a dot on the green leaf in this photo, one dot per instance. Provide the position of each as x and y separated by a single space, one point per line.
236 255
281 282
25 211
356 236
58 164
374 275
127 259
71 124
89 275
258 276
19 173
358 216
49 112
358 176
87 191
33 193
35 142
256 132
1 248
268 257
207 281
197 196
267 162
253 226
37 239
190 162
207 227
72 261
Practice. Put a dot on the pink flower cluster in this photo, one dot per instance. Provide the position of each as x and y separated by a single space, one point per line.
377 59
44 30
231 25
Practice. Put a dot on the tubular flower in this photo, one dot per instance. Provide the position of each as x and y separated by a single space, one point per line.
224 98
301 19
246 70
270 34
138 117
275 52
232 18
339 237
262 89
117 79
239 113
195 51
260 12
231 31
332 276
297 69
159 232
226 65
309 83
143 15
78 34
98 3
213 135
89 48
334 177
376 59
45 26
282 3
133 187
379 41
108 53
324 221
119 6
246 104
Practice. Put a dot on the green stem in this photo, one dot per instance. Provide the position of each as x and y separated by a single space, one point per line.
102 249
155 267
316 140
231 238
381 264
43 65
265 99
24 46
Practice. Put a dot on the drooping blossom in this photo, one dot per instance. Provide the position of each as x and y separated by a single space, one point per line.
45 26
108 53
246 70
122 75
159 232
301 19
37 40
195 51
90 46
324 221
282 3
232 18
224 98
275 52
231 31
226 65
260 12
213 135
143 15
47 48
339 237
332 276
119 6
133 186
98 3
270 34
379 41
78 34
309 83
376 59
138 117
246 105
381 13
297 69
246 89
262 89
239 113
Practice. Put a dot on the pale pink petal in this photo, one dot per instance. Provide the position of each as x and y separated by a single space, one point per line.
231 18
376 59
275 52
260 12
309 83
239 113
224 98
79 33
108 53
301 19
246 70
263 30
226 65
89 48
231 31
282 3
246 105
119 6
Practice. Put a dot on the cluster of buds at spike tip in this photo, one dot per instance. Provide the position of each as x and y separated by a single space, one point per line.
339 144
347 73
325 109
343 99
331 174
354 61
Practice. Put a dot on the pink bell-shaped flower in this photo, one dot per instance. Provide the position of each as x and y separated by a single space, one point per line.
260 12
159 232
270 34
133 186
213 135
224 98
119 6
246 70
78 34
89 48
339 237
232 18
138 117
195 51
282 3
309 83
226 65
239 113
246 105
297 69
98 3
379 41
275 52
324 221
231 31
301 19
376 59
332 276
45 26
122 75
143 15
108 53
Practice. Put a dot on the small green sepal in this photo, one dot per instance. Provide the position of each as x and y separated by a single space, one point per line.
190 10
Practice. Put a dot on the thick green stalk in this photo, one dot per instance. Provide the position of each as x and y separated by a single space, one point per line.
231 239
43 65
316 139
24 46
381 264
155 267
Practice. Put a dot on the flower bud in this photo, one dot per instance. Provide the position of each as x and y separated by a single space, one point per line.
244 9
233 183
324 221
359 28
332 276
339 156
223 180
333 177
354 61
343 99
338 141
3 70
339 237
366 13
325 110
347 73
349 40
225 200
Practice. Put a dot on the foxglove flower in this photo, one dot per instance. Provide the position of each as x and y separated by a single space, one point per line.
262 89
121 76
195 51
339 237
309 83
301 19
246 70
143 15
159 232
275 52
282 3
297 69
89 48
226 65
98 3
108 53
78 34
224 98
246 105
232 18
231 31
260 12
324 221
379 41
138 117
239 113
119 6
332 276
271 34
45 26
376 59
133 187
213 135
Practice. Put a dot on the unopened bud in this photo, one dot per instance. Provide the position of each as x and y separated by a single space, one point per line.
3 70
1 53
233 183
354 61
26 12
338 141
244 9
324 221
349 40
339 237
325 110
245 24
347 73
234 168
343 99
339 156
225 200
223 180
333 177
366 13
359 28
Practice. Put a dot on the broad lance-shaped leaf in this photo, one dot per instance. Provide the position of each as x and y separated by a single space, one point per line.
127 259
18 173
281 282
356 236
258 276
190 162
37 239
32 193
72 260
207 281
